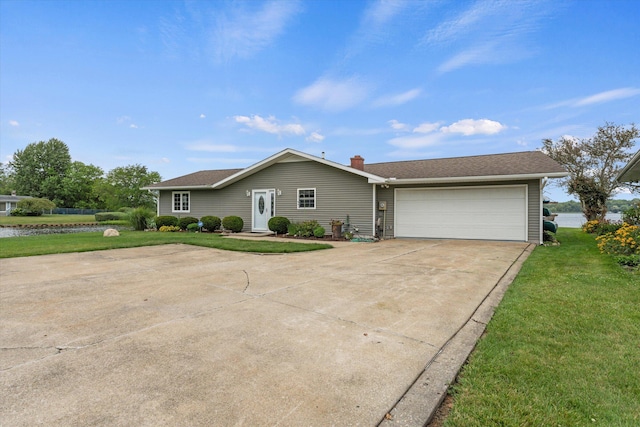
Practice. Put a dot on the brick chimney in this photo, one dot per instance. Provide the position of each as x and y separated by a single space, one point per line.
357 162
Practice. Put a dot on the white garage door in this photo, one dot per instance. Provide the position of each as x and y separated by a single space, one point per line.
491 213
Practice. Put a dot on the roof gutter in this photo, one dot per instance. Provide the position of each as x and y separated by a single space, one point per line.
456 179
184 187
628 170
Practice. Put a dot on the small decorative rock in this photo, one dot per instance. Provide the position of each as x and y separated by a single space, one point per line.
110 232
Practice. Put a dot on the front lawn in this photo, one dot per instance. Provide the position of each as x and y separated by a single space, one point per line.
563 348
82 242
46 219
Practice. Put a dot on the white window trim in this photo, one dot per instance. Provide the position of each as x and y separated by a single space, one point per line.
315 198
173 207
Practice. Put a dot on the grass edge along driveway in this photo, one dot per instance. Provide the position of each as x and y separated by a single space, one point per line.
11 247
563 347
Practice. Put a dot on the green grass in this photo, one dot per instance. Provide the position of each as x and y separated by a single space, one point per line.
563 348
46 219
11 247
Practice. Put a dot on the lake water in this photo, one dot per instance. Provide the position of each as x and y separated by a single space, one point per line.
575 220
24 231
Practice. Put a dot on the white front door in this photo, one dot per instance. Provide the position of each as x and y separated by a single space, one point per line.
264 207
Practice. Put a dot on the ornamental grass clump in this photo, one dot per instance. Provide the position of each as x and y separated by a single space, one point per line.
169 228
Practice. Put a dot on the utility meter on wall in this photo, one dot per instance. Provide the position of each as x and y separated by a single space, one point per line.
382 206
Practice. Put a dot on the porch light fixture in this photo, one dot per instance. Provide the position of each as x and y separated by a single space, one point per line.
248 193
279 192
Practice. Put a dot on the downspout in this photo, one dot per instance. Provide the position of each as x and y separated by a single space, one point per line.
373 214
541 226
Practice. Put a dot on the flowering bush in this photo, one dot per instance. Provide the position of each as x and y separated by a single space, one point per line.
601 227
590 226
624 241
169 228
632 215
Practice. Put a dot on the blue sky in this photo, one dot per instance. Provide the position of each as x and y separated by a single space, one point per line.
185 86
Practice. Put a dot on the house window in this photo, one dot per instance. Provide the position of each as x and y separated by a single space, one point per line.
181 201
306 198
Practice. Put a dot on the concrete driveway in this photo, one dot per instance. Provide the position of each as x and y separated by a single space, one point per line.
190 336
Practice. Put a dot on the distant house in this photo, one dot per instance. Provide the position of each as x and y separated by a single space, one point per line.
9 202
490 197
631 171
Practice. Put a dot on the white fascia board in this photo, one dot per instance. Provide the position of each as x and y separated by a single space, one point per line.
522 177
283 155
631 171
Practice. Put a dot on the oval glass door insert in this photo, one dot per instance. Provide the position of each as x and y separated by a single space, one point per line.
261 205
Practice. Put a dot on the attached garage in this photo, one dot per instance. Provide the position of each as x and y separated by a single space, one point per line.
484 212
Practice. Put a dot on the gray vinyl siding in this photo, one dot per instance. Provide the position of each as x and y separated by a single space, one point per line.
533 194
338 194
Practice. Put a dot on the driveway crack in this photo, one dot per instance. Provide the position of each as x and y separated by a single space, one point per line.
248 282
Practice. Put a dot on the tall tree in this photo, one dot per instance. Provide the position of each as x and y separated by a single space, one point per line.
121 187
6 179
39 169
594 164
78 185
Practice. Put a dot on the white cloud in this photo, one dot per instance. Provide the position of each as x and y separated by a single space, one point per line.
601 97
426 127
417 141
133 126
211 147
610 95
475 55
14 123
226 161
315 137
242 32
202 116
431 134
489 32
397 125
469 127
464 23
270 125
162 160
397 99
333 95
376 24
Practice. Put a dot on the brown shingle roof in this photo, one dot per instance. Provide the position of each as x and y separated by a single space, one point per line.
196 179
521 163
527 162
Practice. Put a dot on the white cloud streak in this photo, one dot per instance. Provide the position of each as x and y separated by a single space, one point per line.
14 123
426 127
431 134
270 125
225 31
315 137
242 32
598 98
333 95
469 127
397 99
396 125
211 147
608 96
489 32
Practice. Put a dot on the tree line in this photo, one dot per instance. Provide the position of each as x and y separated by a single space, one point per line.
46 170
613 206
